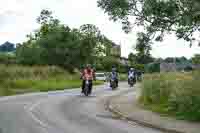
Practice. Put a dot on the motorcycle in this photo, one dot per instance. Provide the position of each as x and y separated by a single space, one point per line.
86 88
131 81
139 78
113 84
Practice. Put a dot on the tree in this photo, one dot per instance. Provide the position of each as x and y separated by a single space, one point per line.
56 44
52 44
60 49
176 59
159 60
143 47
182 59
152 67
27 54
169 60
158 17
93 42
7 47
108 62
132 59
45 17
48 24
196 59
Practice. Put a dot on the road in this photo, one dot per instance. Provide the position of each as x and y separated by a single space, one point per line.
63 112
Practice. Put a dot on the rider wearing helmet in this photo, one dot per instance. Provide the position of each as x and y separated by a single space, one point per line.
139 75
114 75
88 73
131 74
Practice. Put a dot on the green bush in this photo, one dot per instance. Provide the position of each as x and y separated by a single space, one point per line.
173 93
152 68
7 58
26 72
28 54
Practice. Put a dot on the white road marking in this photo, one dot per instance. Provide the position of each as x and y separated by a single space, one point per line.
36 119
41 123
30 110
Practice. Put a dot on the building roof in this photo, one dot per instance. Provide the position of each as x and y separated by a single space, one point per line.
123 58
115 45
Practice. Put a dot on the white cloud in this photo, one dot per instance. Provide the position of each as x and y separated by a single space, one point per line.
17 19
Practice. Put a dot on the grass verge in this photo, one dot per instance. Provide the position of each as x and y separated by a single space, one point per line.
19 79
174 94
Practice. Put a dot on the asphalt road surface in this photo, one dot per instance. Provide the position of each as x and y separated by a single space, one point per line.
63 112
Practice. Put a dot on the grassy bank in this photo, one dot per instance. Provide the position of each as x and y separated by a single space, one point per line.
21 79
175 94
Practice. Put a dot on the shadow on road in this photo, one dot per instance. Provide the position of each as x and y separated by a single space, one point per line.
82 96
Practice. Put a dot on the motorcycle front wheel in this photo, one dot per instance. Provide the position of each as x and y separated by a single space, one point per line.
86 90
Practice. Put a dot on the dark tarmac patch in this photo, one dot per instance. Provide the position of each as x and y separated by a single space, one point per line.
1 130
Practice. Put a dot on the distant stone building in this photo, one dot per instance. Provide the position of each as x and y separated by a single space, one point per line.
124 61
196 66
167 67
172 67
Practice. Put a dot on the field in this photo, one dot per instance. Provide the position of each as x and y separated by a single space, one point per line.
174 94
15 79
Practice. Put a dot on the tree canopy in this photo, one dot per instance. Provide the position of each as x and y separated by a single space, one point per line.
7 47
196 59
57 44
158 17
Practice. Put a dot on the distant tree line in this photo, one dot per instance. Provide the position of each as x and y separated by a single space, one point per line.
153 64
7 47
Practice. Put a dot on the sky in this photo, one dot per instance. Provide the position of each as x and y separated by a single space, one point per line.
18 18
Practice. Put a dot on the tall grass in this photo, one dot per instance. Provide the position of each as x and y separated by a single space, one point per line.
173 93
15 79
25 72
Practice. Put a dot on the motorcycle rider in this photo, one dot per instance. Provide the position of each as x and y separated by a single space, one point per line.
114 75
88 73
131 74
139 75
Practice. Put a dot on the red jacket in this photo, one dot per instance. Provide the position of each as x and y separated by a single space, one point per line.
88 74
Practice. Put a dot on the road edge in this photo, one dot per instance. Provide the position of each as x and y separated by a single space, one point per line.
122 116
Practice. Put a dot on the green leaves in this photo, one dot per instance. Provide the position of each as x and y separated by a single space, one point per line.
179 16
196 59
143 47
45 17
117 9
56 44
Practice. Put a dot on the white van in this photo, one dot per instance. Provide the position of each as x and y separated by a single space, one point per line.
100 76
